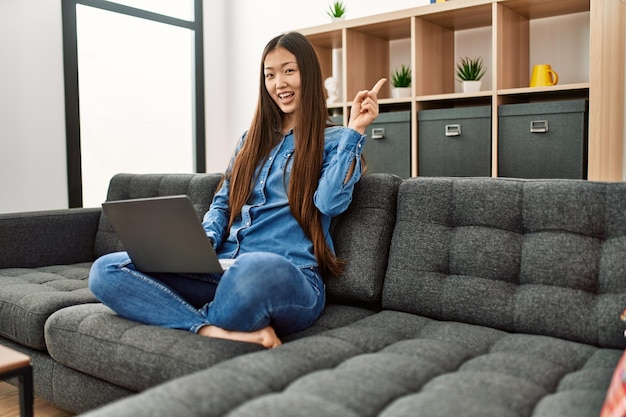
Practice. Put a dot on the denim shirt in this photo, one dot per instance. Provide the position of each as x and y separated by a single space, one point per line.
266 223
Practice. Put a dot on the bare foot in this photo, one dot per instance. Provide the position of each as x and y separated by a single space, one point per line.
265 337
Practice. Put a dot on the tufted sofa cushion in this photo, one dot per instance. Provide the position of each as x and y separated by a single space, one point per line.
362 235
29 295
534 256
393 364
138 356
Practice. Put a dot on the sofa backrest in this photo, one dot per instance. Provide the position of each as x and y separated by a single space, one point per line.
542 257
199 187
361 236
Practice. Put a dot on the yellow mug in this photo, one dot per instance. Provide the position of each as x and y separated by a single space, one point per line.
543 76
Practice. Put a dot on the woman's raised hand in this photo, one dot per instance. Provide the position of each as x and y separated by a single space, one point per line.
365 108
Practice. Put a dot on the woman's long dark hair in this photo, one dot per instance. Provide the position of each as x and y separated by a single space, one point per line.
264 133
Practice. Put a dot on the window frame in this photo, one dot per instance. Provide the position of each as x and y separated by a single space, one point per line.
72 96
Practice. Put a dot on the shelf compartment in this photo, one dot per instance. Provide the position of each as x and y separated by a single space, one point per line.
325 45
366 60
368 53
437 47
526 27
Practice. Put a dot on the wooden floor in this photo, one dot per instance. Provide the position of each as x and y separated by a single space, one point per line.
10 404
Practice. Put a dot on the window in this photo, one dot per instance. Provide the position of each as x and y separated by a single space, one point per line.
134 91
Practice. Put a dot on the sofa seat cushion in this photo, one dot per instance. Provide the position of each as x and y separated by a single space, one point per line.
94 340
393 364
30 295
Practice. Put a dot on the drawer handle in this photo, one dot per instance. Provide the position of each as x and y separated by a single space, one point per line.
378 133
453 130
538 126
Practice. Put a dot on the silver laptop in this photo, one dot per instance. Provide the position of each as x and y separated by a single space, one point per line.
163 234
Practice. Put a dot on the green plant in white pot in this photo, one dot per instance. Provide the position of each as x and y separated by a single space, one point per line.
401 82
469 71
336 10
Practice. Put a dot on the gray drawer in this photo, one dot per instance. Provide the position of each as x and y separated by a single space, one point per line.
543 140
455 142
388 146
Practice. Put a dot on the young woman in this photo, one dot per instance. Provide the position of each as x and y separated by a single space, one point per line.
291 173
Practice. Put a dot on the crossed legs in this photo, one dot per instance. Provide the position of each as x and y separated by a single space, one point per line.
261 296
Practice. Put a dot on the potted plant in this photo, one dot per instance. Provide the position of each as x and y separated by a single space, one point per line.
336 10
401 82
469 71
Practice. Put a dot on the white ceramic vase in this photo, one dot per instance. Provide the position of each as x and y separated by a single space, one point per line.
399 92
471 86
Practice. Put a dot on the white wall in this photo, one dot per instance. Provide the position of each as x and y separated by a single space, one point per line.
33 172
32 120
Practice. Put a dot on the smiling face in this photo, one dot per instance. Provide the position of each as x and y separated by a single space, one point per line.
282 82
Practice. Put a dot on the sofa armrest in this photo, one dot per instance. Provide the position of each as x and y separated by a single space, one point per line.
53 237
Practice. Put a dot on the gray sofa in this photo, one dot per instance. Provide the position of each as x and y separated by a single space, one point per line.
463 296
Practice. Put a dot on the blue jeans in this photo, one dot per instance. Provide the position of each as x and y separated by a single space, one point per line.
258 290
